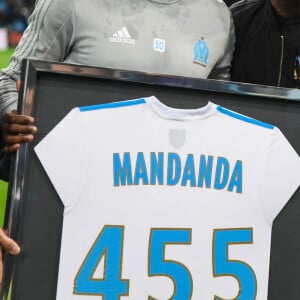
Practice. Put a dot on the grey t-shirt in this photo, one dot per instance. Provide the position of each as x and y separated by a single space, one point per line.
192 38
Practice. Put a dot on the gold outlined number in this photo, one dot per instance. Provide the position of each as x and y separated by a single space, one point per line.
223 266
108 246
176 271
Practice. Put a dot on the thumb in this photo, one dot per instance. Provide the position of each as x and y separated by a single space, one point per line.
8 244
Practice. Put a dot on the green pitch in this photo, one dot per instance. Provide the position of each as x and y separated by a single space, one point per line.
4 60
3 193
5 56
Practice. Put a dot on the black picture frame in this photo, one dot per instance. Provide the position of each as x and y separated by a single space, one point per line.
34 212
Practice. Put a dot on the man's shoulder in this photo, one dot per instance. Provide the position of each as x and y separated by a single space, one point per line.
244 6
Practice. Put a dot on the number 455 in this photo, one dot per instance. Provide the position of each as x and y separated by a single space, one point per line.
109 245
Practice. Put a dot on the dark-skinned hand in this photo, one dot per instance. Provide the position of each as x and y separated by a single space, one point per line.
17 129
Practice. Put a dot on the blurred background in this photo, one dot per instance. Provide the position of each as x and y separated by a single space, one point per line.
13 21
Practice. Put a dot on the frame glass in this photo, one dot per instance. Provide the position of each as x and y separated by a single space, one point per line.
34 211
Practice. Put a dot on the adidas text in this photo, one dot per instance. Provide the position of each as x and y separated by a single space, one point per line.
122 40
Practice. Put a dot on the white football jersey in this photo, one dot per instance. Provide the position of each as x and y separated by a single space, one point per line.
165 203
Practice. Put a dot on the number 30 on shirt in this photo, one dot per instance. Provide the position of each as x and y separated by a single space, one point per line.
109 246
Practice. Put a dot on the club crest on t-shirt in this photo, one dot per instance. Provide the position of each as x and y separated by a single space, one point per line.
201 53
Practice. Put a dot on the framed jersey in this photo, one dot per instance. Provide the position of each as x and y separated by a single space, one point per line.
140 186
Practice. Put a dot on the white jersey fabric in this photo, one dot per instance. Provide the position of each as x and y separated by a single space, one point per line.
164 202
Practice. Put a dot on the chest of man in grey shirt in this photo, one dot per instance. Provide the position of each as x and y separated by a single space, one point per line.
192 38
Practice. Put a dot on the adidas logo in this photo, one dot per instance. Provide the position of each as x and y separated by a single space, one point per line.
122 36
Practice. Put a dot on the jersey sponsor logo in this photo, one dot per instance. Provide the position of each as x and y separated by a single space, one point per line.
122 36
172 169
200 53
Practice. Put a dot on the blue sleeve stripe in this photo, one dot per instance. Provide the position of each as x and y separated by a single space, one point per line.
112 105
244 118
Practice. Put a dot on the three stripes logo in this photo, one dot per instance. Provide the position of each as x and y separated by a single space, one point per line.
122 36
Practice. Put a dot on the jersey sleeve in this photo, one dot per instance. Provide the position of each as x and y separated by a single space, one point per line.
222 68
63 155
282 176
48 36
